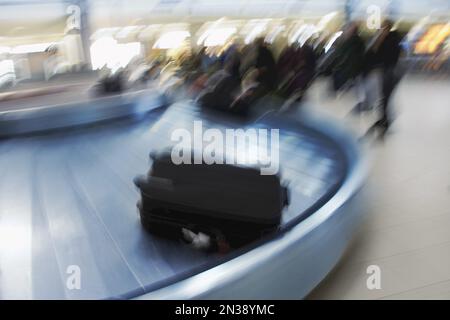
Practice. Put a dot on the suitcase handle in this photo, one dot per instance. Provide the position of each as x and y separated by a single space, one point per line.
145 182
286 196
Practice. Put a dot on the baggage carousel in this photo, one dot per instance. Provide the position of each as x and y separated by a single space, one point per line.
67 199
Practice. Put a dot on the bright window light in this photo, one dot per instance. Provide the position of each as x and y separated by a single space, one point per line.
127 51
273 34
106 51
6 66
326 19
31 48
171 40
126 31
104 33
307 33
216 37
101 51
297 34
256 31
5 49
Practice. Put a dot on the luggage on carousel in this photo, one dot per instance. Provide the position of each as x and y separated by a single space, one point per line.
227 202
110 84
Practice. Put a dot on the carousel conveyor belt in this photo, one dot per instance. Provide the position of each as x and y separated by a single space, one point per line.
68 204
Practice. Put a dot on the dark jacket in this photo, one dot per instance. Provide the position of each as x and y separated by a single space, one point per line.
389 50
350 57
265 62
384 55
349 60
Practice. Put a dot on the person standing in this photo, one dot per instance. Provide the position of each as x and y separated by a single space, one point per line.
349 57
266 65
386 50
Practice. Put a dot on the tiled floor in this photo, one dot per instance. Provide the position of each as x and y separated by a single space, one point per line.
407 230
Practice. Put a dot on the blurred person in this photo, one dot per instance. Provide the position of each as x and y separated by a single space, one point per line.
111 82
196 76
223 86
298 67
248 57
385 51
251 91
207 60
265 63
198 84
319 44
191 71
258 76
285 62
230 70
348 57
230 49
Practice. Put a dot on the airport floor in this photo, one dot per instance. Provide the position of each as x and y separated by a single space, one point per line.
407 229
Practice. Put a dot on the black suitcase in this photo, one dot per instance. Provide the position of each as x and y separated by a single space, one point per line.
230 202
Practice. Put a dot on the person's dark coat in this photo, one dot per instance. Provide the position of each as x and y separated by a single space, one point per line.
265 63
389 51
349 60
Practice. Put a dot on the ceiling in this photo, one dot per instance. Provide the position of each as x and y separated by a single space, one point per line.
22 21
